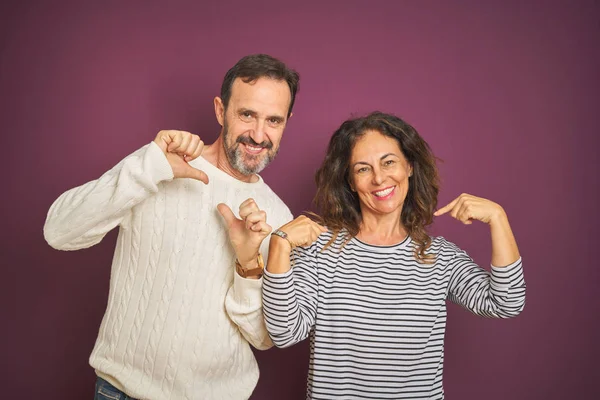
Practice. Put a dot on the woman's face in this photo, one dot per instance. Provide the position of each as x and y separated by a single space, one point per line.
379 174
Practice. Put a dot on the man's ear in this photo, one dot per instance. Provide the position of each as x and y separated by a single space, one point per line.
219 110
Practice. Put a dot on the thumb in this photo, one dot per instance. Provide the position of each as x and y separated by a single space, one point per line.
226 213
197 174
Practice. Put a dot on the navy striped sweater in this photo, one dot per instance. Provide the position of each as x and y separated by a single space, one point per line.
376 317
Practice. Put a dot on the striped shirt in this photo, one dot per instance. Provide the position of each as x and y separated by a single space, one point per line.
376 317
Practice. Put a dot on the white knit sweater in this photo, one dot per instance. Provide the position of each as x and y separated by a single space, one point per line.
177 313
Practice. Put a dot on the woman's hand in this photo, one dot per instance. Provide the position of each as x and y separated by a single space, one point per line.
467 208
302 231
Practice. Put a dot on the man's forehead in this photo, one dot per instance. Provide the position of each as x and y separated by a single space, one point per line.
265 89
244 81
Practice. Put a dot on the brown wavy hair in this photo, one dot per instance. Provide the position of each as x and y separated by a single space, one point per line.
339 206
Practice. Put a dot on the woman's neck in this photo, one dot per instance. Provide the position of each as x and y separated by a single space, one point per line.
381 230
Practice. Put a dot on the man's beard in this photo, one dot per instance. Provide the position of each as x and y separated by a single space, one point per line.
245 163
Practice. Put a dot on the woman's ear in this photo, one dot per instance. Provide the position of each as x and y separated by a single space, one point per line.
350 184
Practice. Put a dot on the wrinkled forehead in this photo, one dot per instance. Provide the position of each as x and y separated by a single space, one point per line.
263 95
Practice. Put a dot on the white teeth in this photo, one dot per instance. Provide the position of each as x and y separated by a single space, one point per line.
255 148
385 192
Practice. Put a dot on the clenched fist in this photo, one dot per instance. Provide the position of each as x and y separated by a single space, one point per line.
302 231
180 148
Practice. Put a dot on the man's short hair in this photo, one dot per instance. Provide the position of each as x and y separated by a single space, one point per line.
255 66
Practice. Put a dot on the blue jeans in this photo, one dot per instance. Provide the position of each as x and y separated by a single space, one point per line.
106 391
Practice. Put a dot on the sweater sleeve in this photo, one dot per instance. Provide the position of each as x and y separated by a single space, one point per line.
496 294
244 299
290 300
244 307
82 216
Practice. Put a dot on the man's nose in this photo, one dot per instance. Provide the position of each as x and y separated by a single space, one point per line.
258 133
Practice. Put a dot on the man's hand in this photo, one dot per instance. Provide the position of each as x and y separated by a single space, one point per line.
181 147
246 234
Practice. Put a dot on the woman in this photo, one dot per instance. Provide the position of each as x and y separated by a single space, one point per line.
371 289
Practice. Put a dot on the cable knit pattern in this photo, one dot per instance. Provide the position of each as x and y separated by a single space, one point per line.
150 273
178 319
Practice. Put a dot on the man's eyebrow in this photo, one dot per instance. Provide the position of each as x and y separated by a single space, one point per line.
244 110
254 113
277 117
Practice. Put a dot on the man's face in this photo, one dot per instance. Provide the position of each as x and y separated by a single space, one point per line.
253 123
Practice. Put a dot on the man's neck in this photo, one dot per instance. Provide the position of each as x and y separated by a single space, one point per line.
215 154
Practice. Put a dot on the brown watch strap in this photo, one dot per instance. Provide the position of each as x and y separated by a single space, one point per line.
257 271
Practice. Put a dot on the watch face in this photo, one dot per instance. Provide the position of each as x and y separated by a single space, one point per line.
281 234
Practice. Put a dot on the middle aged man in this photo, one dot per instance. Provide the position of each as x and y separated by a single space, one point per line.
185 299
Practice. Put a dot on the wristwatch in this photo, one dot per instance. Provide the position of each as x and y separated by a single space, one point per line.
283 235
257 271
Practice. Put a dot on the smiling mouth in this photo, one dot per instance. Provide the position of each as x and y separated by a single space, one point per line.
253 149
382 194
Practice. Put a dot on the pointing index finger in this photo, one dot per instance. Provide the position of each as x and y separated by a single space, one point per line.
446 208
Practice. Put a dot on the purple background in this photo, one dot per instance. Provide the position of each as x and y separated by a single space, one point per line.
507 94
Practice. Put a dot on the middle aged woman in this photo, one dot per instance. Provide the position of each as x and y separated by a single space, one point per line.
371 288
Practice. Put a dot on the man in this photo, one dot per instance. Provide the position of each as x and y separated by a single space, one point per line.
185 299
